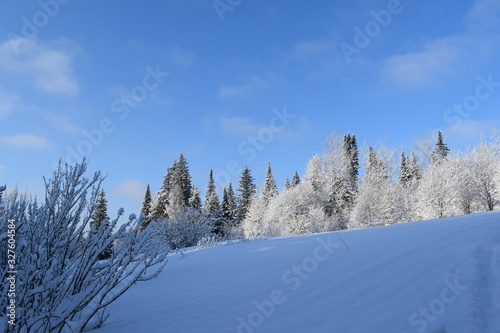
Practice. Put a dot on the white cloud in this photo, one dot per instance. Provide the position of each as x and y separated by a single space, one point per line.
483 16
7 103
253 86
48 68
244 127
313 48
26 141
425 66
239 126
470 131
439 58
64 123
133 189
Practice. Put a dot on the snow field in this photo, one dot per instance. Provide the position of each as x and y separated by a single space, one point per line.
430 276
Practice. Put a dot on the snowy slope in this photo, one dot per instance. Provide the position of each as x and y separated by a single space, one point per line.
431 276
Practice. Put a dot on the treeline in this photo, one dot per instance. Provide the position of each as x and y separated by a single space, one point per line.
344 187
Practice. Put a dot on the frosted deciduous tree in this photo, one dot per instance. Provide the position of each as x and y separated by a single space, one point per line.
374 204
61 284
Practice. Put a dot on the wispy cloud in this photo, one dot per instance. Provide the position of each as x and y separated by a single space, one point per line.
133 189
441 57
7 103
240 126
244 127
251 87
28 141
424 66
48 68
64 123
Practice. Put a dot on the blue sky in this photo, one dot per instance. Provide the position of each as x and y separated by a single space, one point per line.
132 84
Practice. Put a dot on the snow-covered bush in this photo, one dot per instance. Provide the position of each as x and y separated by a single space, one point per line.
61 286
295 211
185 228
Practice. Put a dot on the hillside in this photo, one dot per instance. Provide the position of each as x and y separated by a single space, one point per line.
430 276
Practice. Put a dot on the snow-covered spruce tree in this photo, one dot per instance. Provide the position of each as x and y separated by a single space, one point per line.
287 184
269 188
146 208
295 179
441 150
178 177
254 223
340 167
244 198
229 205
182 177
100 221
61 284
212 208
195 200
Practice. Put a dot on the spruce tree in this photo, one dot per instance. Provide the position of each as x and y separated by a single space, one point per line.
146 209
441 150
246 194
413 168
229 205
404 171
269 188
100 221
295 179
183 177
195 200
212 208
351 154
287 184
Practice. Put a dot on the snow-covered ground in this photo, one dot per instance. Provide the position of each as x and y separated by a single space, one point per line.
431 276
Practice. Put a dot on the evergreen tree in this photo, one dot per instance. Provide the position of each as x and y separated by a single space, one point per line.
229 205
183 177
441 150
160 202
404 170
246 194
146 209
100 221
295 179
195 200
212 208
168 201
351 154
287 184
269 188
413 168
